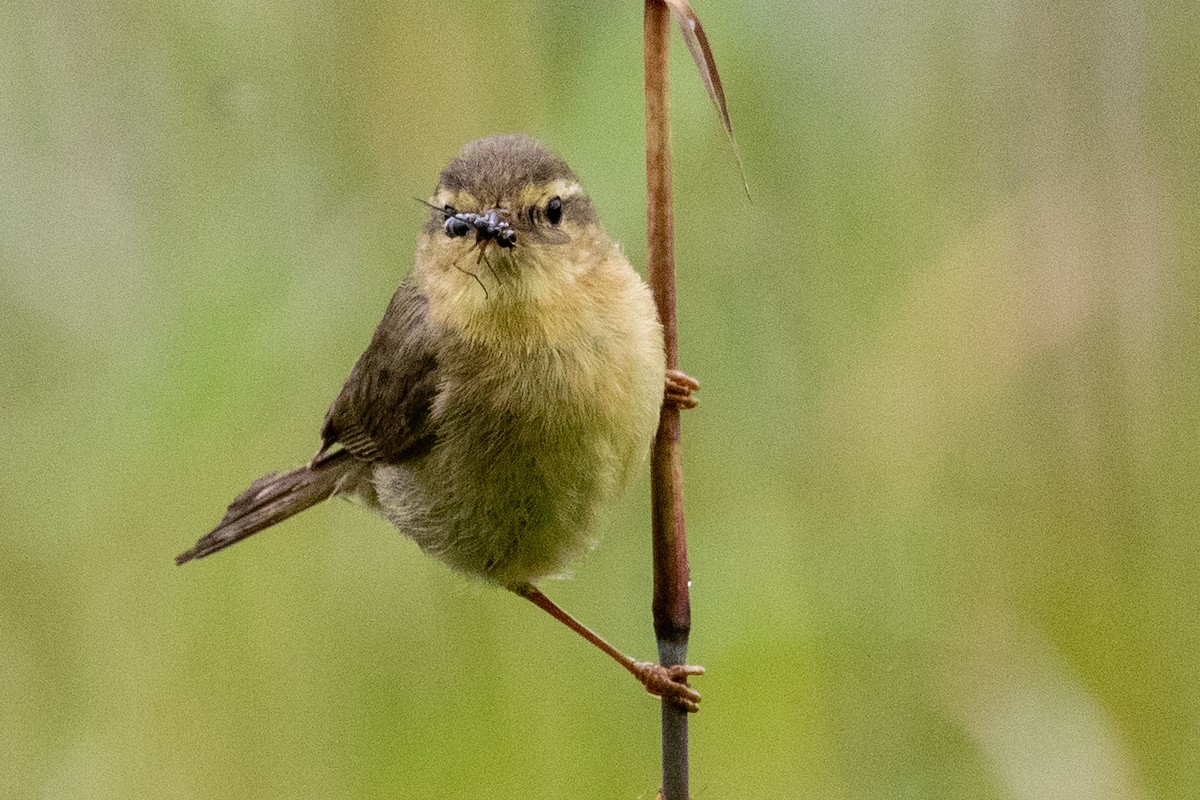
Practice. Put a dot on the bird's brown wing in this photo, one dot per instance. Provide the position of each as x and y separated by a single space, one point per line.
384 410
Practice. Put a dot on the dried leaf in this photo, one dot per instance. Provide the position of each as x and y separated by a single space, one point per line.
697 44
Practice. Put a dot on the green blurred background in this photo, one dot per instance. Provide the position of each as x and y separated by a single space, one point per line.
941 489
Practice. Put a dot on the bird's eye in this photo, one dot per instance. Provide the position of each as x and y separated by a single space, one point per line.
554 210
449 210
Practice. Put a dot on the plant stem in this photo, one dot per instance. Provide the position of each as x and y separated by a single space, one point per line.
671 604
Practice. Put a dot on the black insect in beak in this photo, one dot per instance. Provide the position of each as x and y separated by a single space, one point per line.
488 227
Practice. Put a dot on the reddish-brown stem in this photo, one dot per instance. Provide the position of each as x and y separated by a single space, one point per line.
672 614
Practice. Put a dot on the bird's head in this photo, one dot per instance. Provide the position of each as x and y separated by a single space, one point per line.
510 234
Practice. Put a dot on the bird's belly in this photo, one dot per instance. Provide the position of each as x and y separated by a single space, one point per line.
507 500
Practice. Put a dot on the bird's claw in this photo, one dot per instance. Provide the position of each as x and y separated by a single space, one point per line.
679 388
670 683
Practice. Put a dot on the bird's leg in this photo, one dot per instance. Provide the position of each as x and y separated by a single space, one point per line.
679 387
669 683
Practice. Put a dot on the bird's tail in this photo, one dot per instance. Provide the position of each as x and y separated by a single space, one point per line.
272 499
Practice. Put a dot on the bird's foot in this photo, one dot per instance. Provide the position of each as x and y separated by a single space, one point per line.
679 388
669 683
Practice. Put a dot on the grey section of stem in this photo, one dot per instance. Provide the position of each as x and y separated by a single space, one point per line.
674 729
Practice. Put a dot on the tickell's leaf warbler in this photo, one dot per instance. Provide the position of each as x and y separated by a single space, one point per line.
512 387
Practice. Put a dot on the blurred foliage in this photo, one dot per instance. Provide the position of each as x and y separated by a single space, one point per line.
941 489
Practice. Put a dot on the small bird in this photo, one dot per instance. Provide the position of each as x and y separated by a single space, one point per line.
513 386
